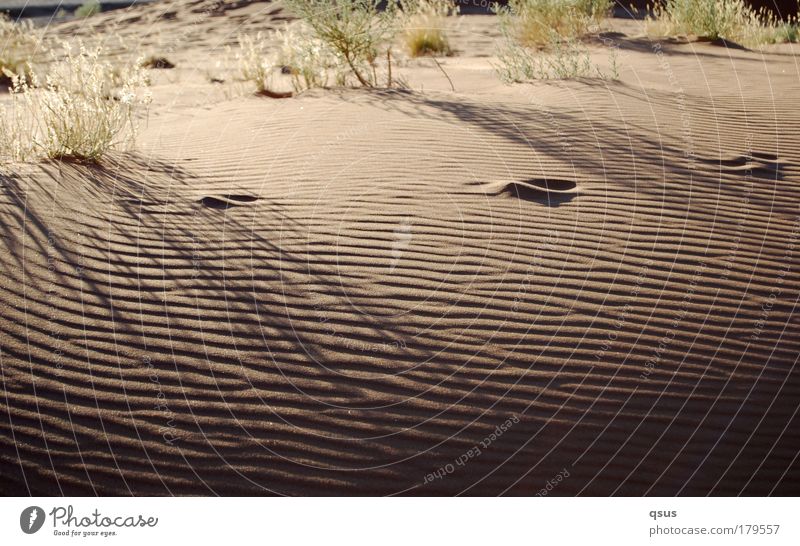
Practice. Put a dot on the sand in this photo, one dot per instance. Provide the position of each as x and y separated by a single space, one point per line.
562 288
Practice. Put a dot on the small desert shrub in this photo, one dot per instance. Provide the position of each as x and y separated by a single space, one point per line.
356 32
731 20
533 22
424 26
18 45
85 108
88 8
562 60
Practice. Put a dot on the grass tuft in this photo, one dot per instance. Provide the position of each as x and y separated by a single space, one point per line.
532 23
423 33
731 20
541 40
257 65
254 61
308 60
561 60
85 108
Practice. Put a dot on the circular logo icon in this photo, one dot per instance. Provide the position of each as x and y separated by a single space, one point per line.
31 519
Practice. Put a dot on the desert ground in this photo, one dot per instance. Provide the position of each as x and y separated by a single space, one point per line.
563 287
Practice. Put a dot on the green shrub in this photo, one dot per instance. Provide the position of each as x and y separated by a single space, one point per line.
88 8
355 31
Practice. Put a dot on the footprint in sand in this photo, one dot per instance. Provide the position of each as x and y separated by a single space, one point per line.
222 202
547 190
756 164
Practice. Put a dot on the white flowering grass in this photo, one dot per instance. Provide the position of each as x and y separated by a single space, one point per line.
294 51
255 62
423 33
84 108
310 61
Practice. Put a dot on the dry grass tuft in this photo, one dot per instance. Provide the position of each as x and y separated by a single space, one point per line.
424 26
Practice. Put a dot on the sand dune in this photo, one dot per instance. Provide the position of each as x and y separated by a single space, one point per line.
423 292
